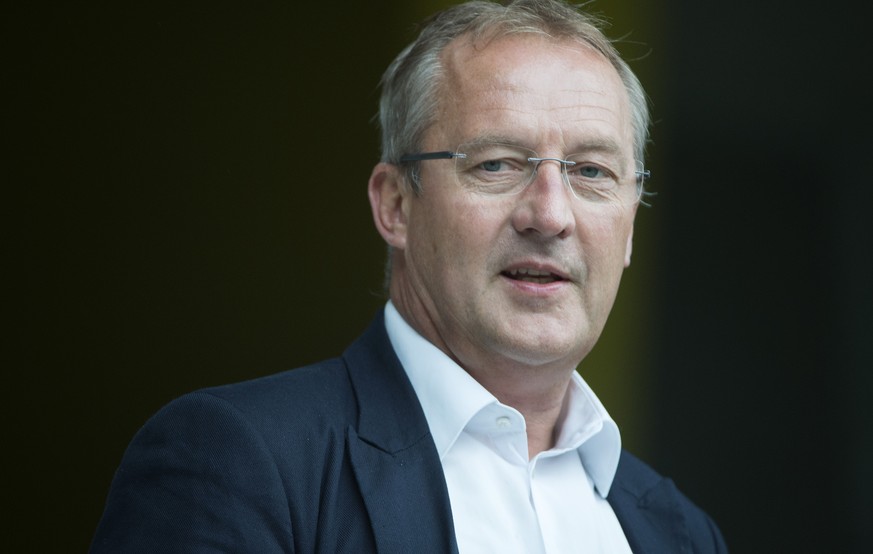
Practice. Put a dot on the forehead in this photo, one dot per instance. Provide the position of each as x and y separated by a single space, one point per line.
533 90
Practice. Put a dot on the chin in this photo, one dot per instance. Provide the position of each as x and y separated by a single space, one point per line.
538 349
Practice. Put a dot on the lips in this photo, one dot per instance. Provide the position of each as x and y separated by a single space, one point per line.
531 275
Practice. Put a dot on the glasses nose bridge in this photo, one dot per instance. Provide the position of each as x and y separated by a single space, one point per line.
535 166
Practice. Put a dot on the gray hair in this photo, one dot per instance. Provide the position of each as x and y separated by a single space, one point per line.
410 85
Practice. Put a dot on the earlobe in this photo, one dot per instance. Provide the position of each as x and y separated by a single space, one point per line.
389 203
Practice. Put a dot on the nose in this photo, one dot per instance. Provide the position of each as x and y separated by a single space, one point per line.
546 204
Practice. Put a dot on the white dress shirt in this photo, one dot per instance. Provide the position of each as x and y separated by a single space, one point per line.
501 500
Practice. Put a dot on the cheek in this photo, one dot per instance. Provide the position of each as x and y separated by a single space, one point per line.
465 227
446 235
604 240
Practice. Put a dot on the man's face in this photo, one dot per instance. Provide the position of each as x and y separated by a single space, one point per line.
461 277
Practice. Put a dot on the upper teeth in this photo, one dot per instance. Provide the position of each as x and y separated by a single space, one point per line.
530 272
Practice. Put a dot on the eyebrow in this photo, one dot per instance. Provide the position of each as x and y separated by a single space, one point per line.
601 145
500 139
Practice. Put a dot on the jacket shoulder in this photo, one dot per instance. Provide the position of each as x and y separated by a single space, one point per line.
233 466
656 515
319 392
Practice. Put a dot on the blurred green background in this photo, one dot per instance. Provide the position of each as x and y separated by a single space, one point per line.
186 206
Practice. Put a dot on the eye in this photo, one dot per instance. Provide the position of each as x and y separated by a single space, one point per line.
587 171
492 165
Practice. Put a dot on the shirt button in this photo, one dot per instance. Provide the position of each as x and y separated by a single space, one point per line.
503 422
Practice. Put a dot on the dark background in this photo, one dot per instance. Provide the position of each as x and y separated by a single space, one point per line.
186 206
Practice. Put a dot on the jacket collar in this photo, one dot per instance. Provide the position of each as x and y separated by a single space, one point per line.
393 454
402 483
649 508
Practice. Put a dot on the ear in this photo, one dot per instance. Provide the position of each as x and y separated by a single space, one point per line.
628 248
389 202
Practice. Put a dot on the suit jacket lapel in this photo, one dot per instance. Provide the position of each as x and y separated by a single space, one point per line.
393 455
648 508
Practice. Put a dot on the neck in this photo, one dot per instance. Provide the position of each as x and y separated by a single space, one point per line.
539 394
537 389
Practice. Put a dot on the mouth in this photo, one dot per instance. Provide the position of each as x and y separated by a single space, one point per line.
529 275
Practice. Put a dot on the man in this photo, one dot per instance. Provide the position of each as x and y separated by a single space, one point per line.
511 174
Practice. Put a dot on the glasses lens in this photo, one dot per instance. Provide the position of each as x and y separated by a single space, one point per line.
494 168
599 181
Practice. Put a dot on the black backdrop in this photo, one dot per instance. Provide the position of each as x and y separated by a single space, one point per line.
185 206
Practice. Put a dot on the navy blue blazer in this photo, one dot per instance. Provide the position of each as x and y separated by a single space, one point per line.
333 457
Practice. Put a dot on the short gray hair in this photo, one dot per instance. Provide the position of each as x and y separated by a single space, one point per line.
410 85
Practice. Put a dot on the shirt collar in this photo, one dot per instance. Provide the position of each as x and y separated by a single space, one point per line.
450 398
